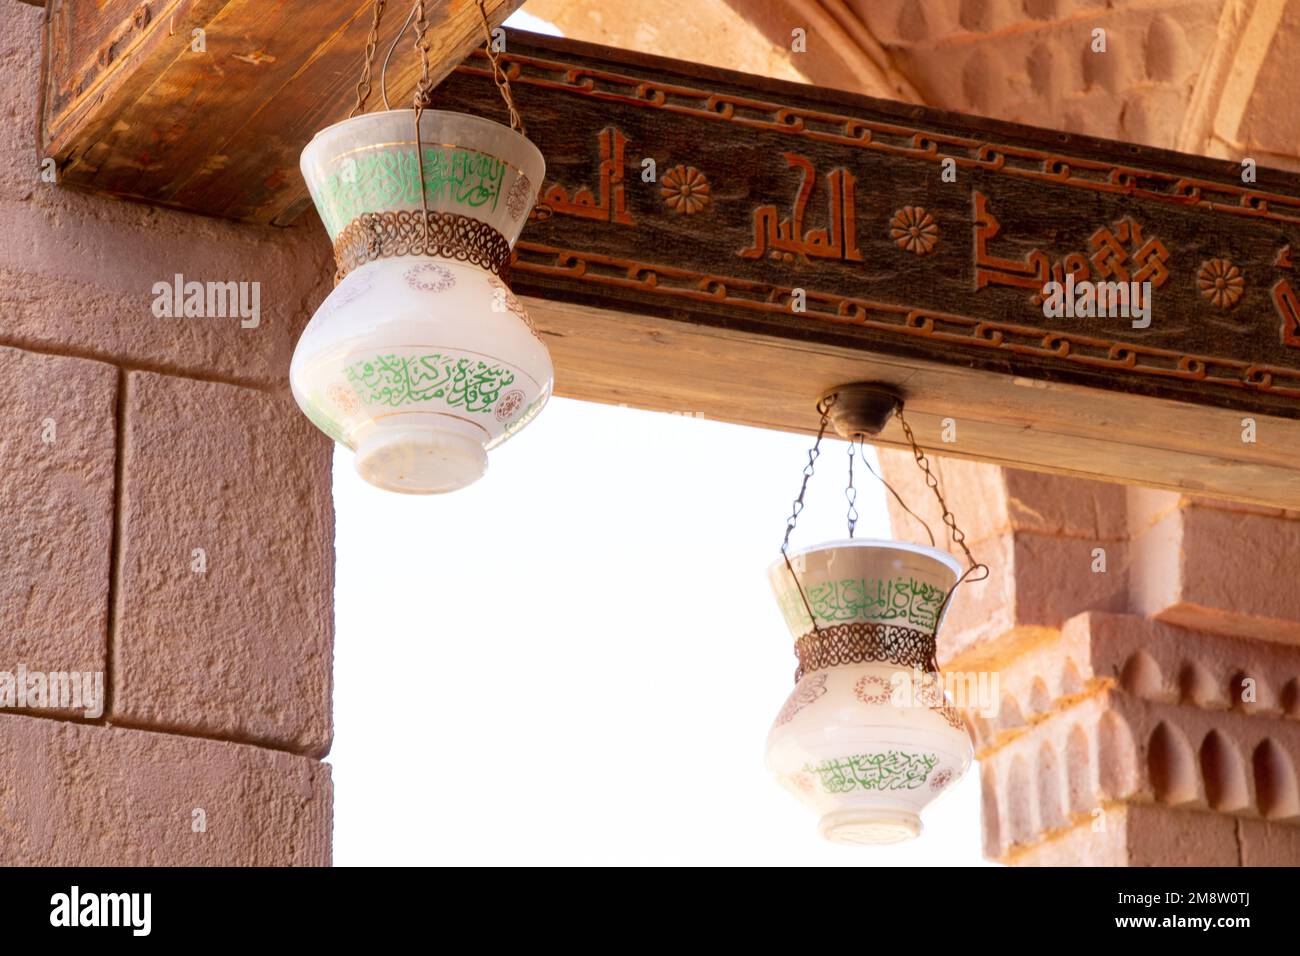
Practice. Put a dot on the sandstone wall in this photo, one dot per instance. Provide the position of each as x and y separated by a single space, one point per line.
167 524
1147 647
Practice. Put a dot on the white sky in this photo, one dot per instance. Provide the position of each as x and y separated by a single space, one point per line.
577 660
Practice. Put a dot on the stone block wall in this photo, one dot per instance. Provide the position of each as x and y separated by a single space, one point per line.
1148 659
167 526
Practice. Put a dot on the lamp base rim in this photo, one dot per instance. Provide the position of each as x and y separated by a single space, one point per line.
869 827
418 459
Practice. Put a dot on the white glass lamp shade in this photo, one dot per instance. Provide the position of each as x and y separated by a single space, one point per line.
421 363
866 744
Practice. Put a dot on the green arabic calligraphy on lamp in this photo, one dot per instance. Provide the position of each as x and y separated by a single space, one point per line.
868 737
421 360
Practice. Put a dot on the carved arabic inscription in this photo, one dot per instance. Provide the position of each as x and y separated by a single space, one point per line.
787 239
612 205
1120 252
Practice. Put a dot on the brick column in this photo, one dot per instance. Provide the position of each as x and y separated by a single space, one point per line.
1148 652
168 528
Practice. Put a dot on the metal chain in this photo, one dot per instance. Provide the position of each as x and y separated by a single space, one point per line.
813 454
851 493
423 89
498 74
954 533
932 662
363 85
424 85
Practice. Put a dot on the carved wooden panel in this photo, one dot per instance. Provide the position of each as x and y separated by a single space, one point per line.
898 229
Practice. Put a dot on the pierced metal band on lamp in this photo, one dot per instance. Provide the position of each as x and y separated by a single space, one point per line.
857 642
378 235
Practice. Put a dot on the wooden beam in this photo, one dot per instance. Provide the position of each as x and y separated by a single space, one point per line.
725 374
688 303
205 105
790 239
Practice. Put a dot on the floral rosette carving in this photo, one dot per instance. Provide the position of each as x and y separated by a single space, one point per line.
914 229
686 190
1221 282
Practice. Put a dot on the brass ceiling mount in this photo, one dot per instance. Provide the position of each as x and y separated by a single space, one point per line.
861 409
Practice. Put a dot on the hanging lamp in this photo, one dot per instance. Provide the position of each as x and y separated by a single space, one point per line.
868 737
421 359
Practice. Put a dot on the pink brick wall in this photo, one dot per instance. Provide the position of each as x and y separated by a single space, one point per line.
1148 714
129 442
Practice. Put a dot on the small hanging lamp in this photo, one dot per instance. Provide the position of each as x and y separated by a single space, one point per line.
421 360
868 737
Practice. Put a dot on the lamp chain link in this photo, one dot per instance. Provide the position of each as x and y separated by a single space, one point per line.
423 90
372 40
813 454
851 493
498 74
955 533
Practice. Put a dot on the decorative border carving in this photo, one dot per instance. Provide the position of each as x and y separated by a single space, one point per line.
1084 350
900 140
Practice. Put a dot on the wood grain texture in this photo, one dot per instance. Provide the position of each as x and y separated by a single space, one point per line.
651 306
752 379
839 204
131 109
